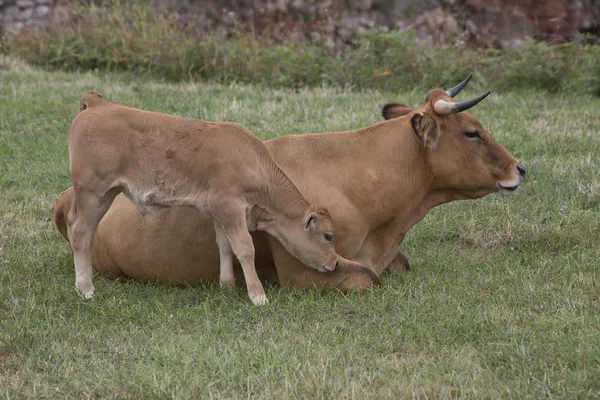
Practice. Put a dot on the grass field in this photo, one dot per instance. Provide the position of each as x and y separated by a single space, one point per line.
503 300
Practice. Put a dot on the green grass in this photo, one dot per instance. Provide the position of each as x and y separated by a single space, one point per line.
503 300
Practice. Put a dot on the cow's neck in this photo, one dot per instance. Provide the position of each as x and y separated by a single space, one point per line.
394 171
408 190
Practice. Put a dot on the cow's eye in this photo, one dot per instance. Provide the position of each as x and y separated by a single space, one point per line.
473 135
328 237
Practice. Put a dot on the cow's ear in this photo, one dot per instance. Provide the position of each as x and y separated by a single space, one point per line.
425 128
394 110
310 221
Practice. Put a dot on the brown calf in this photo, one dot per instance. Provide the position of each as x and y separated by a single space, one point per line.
219 169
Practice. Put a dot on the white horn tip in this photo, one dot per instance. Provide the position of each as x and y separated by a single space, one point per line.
443 107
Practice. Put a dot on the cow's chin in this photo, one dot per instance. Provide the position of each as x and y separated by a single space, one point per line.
507 188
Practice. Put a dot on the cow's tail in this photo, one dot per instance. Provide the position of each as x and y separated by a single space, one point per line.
90 100
61 208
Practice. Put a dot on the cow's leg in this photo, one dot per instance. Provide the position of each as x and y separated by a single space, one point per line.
235 227
84 216
399 263
227 277
346 277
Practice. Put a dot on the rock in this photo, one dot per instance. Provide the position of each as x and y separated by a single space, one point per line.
437 26
25 3
42 11
363 5
330 43
13 28
471 27
25 14
228 17
10 15
221 33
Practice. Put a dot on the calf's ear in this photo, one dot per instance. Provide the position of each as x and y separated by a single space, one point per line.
425 128
394 110
310 221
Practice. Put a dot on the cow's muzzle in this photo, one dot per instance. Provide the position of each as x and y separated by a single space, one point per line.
510 187
521 170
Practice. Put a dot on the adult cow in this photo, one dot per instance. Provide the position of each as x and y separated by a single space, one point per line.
382 179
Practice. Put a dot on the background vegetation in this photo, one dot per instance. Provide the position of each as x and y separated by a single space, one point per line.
502 302
135 37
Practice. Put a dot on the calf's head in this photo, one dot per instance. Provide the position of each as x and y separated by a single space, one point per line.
308 237
461 155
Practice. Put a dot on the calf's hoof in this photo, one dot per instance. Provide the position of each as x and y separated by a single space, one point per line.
89 295
85 290
86 295
228 286
259 299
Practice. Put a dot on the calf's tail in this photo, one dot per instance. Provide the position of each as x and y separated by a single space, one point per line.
61 209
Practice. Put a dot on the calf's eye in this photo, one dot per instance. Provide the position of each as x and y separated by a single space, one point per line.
328 237
473 135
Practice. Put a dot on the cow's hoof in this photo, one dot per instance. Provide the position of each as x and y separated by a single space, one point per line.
399 263
259 299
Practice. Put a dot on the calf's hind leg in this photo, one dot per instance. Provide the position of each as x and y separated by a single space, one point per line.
233 236
87 211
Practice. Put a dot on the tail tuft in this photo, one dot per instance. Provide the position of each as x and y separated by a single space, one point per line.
61 209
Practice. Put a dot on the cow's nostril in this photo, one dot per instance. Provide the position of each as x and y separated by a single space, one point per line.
521 169
336 263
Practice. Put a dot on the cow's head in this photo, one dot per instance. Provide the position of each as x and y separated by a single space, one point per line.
461 154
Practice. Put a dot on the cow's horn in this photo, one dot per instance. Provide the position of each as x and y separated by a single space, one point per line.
456 89
443 107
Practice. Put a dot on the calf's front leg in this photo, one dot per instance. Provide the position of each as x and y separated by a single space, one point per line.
233 236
